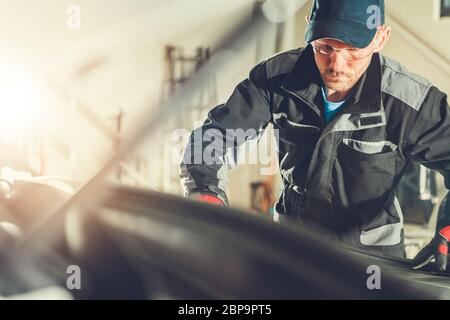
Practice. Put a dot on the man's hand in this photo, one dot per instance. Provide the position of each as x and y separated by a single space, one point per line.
210 199
437 248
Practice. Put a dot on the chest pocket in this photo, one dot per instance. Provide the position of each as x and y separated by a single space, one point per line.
369 147
367 170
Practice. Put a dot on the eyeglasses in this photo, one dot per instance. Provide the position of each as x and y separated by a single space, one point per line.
348 54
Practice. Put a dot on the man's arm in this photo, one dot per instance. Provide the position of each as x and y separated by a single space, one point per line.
429 144
221 142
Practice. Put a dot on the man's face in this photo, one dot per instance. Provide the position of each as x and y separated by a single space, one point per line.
337 73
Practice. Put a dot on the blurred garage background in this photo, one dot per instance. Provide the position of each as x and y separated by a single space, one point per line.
78 77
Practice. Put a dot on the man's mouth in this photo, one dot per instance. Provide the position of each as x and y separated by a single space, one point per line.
335 74
335 77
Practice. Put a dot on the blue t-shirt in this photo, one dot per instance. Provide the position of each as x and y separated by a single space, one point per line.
330 108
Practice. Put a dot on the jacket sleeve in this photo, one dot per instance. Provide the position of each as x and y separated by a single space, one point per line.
429 143
229 131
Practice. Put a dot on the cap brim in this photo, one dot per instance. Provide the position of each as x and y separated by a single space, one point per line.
355 34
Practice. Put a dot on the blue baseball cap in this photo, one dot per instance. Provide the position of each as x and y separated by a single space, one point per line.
354 22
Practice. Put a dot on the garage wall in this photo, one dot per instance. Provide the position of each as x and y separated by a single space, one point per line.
421 18
420 40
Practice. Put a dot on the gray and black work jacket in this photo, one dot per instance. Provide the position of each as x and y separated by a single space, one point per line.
341 175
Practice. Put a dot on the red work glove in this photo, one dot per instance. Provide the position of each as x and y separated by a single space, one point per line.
210 199
437 248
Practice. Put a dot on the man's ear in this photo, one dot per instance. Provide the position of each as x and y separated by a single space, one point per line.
382 37
307 19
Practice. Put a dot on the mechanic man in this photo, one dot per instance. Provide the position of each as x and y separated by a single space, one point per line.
348 119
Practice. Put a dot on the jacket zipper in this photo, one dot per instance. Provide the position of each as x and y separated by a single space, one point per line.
322 136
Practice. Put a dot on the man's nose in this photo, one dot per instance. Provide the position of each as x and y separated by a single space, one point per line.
337 61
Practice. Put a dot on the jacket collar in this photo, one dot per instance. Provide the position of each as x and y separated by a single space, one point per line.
304 81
